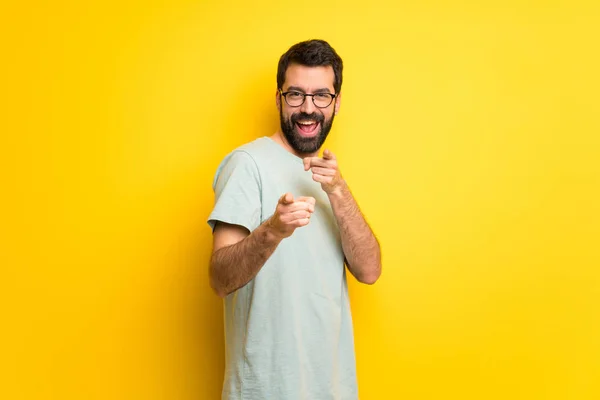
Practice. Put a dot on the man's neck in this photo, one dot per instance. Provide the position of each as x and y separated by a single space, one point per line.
280 139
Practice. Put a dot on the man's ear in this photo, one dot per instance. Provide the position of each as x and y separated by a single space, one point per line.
338 100
277 99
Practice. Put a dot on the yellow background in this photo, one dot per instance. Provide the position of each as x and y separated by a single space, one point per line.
469 133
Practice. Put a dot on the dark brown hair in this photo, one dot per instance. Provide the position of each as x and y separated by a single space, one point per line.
311 53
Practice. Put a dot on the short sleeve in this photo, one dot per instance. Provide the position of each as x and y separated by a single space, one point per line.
237 192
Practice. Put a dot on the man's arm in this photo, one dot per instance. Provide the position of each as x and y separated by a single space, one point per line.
361 248
238 255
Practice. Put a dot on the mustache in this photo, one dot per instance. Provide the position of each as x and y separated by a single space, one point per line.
316 117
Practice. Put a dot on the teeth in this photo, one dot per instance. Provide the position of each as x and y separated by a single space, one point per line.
306 123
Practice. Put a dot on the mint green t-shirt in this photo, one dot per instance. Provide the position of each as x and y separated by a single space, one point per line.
288 332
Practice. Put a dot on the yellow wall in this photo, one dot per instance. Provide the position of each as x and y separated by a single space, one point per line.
469 134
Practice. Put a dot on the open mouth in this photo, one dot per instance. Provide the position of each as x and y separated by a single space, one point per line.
307 128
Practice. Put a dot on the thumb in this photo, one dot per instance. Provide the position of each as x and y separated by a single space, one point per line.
287 198
306 161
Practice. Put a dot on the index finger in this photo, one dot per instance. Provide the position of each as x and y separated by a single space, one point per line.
310 162
307 199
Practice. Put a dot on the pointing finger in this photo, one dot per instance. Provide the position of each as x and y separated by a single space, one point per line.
299 205
306 199
318 162
323 171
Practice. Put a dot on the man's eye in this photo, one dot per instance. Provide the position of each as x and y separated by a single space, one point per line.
322 96
295 94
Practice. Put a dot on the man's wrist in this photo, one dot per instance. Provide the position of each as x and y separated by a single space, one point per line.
271 233
339 192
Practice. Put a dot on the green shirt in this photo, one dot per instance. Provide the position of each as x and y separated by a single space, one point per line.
288 332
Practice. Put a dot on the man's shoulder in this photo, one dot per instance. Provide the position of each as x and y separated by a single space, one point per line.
254 148
246 156
253 152
248 152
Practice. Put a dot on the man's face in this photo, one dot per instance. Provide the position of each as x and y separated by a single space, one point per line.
306 127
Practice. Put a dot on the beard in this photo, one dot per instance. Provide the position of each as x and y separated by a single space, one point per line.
301 144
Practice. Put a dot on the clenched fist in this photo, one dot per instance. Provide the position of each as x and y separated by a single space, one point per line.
291 214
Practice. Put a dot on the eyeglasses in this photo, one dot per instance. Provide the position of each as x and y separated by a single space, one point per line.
296 99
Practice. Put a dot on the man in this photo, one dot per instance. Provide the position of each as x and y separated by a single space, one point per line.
285 223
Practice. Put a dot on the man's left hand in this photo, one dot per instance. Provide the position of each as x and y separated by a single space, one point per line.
325 171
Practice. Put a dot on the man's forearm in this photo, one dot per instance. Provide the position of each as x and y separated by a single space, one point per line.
233 266
361 248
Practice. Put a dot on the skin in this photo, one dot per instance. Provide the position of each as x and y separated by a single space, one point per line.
238 255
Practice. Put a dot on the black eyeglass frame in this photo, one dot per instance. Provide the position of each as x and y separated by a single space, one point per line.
305 95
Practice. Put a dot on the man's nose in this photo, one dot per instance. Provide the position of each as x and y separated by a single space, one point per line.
308 106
